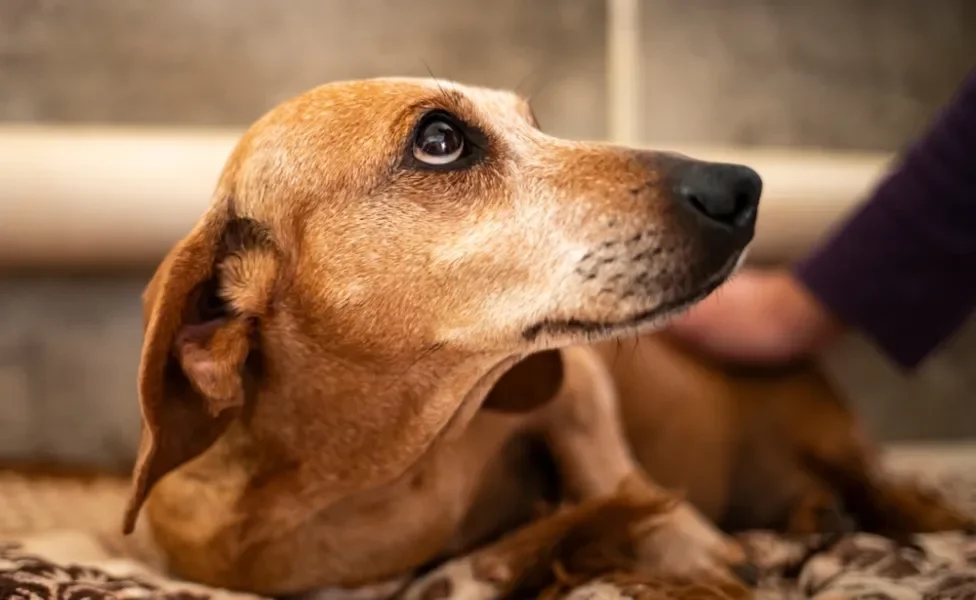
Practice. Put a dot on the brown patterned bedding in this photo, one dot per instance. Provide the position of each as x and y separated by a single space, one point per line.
58 540
27 576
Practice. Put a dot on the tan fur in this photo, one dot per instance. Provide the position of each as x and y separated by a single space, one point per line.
757 448
327 379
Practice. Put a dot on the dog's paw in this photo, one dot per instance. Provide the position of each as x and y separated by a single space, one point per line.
454 580
376 591
684 545
905 508
820 512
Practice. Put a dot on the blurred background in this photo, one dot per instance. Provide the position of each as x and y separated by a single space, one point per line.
822 93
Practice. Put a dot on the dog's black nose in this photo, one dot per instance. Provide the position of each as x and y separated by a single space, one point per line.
724 193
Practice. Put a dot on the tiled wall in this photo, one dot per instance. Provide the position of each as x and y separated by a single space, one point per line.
836 73
69 348
832 73
224 62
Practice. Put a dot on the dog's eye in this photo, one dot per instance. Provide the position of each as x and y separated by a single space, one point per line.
438 142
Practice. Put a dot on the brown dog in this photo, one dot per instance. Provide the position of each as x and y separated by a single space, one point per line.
347 359
761 448
751 448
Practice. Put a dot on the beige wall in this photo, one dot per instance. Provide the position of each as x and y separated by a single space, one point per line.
834 73
224 62
862 74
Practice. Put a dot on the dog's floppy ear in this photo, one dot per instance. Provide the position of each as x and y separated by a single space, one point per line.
200 313
530 383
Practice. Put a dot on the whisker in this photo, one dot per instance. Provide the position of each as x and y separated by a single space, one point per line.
430 72
427 353
525 78
633 345
538 90
547 77
545 67
637 344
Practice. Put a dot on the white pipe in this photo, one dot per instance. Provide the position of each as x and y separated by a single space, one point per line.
623 71
110 197
72 197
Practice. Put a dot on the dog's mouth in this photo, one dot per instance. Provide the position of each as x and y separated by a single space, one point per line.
594 330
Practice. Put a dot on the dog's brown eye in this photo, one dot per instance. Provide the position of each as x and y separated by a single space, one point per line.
438 143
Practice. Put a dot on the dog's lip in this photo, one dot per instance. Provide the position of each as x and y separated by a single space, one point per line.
604 328
599 328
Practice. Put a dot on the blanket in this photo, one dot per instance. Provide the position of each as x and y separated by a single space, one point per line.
59 540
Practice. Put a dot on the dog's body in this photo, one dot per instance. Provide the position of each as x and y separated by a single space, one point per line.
392 296
761 448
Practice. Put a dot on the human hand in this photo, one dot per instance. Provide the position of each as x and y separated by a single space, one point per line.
758 317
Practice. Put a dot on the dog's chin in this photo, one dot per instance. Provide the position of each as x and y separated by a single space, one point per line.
571 331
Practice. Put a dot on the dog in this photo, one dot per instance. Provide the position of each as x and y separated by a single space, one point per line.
397 315
751 448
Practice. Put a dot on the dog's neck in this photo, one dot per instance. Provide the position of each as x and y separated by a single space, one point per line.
275 469
315 439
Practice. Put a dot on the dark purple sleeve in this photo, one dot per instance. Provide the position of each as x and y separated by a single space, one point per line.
902 269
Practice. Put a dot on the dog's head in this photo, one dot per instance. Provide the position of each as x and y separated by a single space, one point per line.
378 252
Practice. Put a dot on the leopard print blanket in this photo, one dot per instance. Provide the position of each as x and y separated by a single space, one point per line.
67 560
28 576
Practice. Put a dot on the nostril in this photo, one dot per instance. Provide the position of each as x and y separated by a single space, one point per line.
717 203
726 194
695 201
744 208
747 196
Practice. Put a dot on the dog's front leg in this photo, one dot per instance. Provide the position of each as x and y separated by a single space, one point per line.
581 427
583 430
